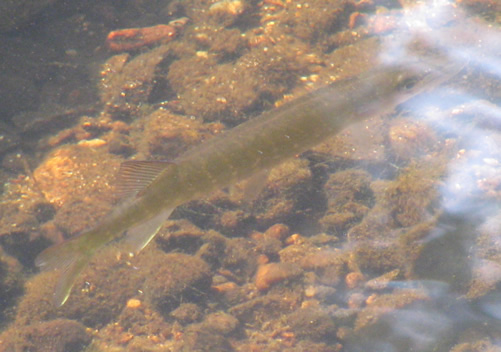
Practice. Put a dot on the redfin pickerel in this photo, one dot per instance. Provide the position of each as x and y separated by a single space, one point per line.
247 149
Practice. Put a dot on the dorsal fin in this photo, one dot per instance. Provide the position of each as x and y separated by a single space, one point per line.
135 175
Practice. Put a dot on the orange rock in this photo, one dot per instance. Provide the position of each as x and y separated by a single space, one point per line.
353 279
135 38
262 259
133 303
371 299
269 274
256 236
125 338
294 239
278 231
224 287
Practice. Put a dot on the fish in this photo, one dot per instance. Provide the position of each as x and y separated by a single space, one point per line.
156 188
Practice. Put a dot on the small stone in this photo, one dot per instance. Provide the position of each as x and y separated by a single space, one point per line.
221 322
224 287
320 292
323 239
92 143
133 303
312 323
294 239
310 303
186 313
353 279
197 337
231 7
310 291
371 299
272 273
277 231
262 259
202 54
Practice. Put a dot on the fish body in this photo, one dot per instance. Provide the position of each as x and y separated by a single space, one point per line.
247 149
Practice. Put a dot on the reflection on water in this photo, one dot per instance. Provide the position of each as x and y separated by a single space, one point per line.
387 238
458 266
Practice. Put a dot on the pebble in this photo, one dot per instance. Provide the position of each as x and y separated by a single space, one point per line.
133 303
224 287
277 231
221 322
354 279
92 143
295 239
231 7
269 274
186 313
319 292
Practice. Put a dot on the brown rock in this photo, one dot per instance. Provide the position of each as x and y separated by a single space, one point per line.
272 273
221 323
277 231
177 277
312 323
186 313
58 335
70 173
354 279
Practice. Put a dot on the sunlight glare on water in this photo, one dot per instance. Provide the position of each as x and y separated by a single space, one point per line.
459 267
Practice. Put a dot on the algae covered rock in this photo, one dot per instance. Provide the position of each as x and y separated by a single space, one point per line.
60 335
312 323
174 278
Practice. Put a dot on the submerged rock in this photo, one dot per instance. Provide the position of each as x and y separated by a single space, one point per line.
312 323
60 335
173 278
272 273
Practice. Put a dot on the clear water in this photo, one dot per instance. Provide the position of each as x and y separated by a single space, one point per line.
393 226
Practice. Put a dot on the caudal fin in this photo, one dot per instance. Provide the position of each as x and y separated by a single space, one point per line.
70 260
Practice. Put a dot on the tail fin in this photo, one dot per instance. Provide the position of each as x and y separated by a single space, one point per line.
70 259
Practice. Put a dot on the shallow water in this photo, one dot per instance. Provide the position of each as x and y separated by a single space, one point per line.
384 238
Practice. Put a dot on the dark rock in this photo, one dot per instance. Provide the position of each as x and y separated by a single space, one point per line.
186 313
